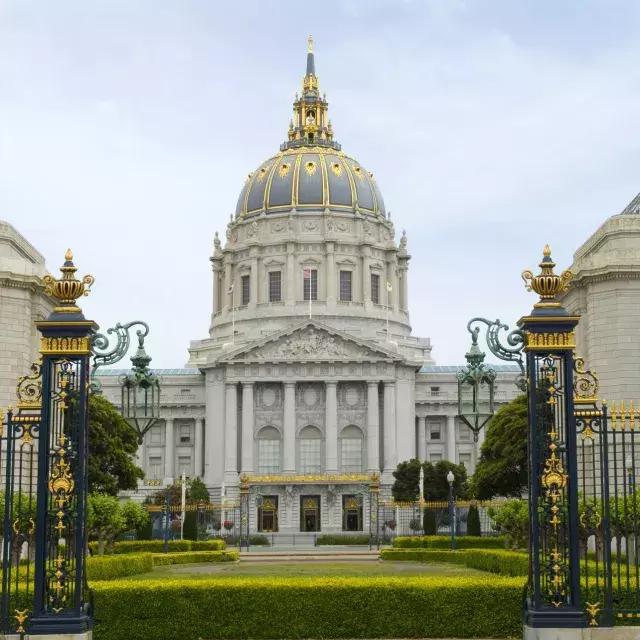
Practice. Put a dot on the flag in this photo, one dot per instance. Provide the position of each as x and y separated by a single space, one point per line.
306 274
389 287
230 290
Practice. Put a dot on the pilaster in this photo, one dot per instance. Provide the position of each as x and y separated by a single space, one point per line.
331 426
390 455
289 427
247 427
422 439
231 433
373 428
198 447
451 438
169 450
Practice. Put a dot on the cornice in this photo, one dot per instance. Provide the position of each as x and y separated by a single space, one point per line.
20 242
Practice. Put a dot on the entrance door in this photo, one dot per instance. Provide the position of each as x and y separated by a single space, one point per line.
268 515
310 513
351 514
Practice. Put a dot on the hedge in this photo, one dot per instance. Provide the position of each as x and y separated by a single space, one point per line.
161 559
112 567
444 542
506 563
157 546
341 540
372 607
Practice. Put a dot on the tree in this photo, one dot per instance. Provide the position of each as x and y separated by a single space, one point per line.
112 448
196 492
436 487
502 468
429 522
512 519
190 527
107 517
473 521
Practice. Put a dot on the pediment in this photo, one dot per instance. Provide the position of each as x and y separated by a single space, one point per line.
311 342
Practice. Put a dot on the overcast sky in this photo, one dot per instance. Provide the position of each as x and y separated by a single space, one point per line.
127 128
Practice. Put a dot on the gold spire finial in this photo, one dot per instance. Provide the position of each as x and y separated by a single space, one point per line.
310 41
547 284
68 288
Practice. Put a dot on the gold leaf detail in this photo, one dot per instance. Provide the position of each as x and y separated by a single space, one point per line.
310 167
284 169
358 171
336 167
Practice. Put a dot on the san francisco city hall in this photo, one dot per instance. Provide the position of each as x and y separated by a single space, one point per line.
310 380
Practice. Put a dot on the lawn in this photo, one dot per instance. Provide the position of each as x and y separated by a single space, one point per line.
316 568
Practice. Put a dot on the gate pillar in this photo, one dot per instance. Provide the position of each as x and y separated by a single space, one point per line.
61 597
553 593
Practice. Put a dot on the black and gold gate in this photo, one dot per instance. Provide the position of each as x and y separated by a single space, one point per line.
310 513
268 515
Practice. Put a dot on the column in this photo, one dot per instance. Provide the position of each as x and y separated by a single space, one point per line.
390 278
289 291
169 449
198 448
404 288
373 428
231 433
214 425
228 280
451 439
247 427
254 286
331 274
390 457
216 286
422 438
289 427
366 275
331 427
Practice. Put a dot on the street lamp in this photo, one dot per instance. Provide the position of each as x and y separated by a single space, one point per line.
475 388
450 480
140 405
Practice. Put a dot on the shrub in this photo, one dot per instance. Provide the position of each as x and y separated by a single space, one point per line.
429 522
378 607
444 542
149 546
258 540
473 522
112 567
415 524
208 545
342 540
146 531
506 563
190 529
162 559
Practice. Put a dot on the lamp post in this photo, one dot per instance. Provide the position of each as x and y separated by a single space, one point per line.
475 388
450 480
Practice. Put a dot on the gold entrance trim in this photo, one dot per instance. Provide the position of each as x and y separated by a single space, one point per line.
79 346
544 341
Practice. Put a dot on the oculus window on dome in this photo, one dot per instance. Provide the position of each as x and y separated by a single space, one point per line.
324 178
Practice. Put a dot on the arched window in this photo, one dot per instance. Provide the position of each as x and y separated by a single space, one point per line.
351 449
269 451
310 451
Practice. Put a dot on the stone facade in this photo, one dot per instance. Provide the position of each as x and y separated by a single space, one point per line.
605 292
22 302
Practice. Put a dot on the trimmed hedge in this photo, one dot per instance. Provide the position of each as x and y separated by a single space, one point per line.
162 559
444 542
506 563
372 607
157 546
112 567
341 540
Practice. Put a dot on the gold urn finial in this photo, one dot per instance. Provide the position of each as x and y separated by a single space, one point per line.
67 289
547 284
310 41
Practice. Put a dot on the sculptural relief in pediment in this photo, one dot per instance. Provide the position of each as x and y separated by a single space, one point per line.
313 344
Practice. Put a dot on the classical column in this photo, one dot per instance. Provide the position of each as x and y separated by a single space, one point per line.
331 273
231 433
214 425
390 278
254 286
404 287
451 439
247 427
169 449
289 291
390 457
422 438
198 448
228 280
289 427
366 274
373 428
331 427
216 285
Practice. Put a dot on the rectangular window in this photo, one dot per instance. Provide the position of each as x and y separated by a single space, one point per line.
275 286
155 467
185 434
434 431
464 433
310 456
351 455
155 435
184 465
246 290
465 459
345 285
375 288
435 457
310 283
268 456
